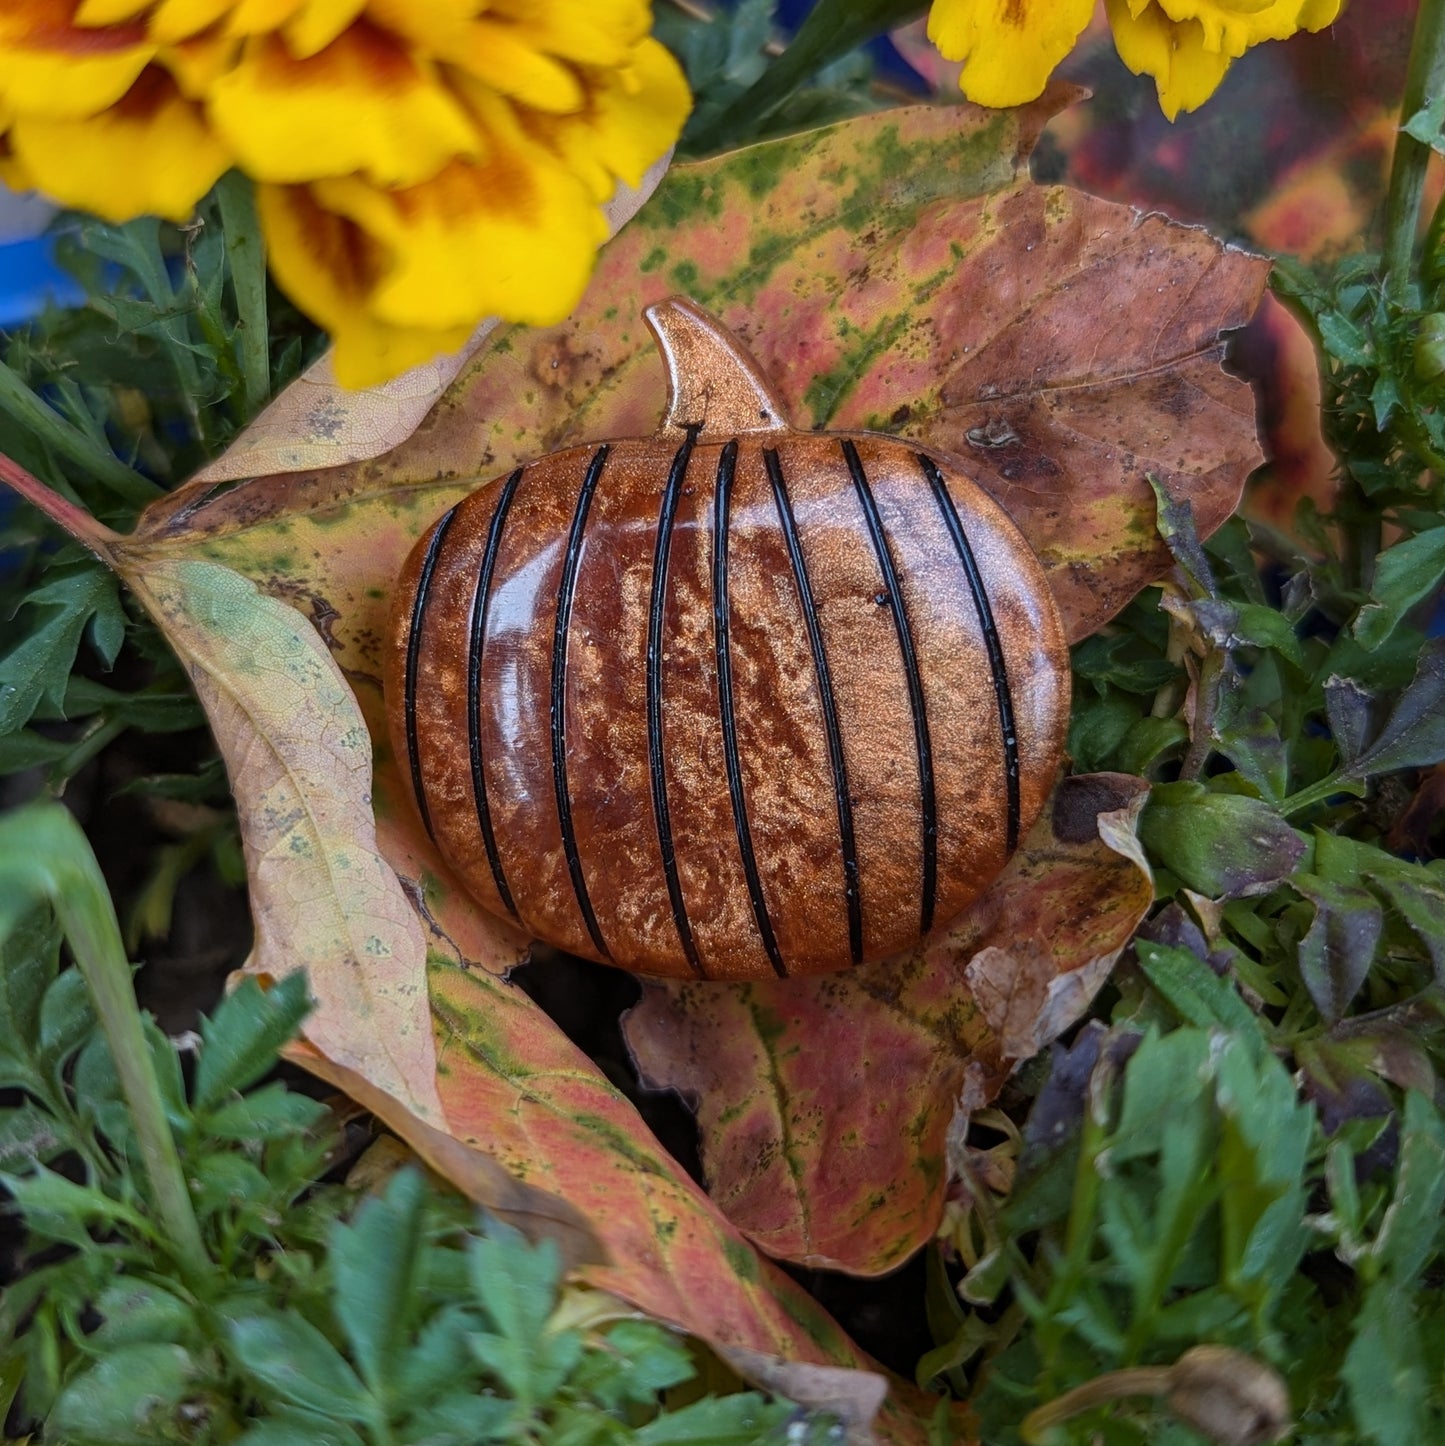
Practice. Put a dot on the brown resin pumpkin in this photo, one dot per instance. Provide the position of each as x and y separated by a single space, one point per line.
732 700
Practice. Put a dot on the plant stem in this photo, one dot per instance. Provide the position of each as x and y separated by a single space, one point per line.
1424 79
246 251
46 425
99 736
60 510
43 849
1116 1386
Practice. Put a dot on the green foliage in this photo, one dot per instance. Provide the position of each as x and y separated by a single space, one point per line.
742 93
1178 1198
1247 1147
314 1314
109 403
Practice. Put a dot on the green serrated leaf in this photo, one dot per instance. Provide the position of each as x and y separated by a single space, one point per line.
140 1312
283 1427
1387 1379
741 1420
515 1282
291 1357
639 1362
464 1417
270 1113
67 1020
243 1036
1344 340
34 673
59 1209
31 1136
439 1361
1426 124
99 1089
1410 1232
29 953
375 1262
1196 993
532 1370
1260 1165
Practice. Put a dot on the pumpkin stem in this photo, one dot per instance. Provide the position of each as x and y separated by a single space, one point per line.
713 385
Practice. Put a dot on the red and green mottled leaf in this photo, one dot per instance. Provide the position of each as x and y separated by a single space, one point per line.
825 1103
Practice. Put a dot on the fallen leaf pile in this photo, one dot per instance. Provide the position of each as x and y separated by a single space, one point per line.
897 272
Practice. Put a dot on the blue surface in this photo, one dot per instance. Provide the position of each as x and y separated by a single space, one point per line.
29 278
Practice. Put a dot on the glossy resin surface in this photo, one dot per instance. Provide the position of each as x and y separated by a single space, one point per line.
731 701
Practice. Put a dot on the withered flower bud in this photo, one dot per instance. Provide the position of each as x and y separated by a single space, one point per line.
1228 1396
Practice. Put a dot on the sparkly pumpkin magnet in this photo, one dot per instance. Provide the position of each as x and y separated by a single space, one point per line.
732 701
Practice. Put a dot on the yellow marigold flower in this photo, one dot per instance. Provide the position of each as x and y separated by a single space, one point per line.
1010 47
1188 45
420 163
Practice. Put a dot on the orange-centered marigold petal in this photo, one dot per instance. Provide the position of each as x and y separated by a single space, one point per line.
362 105
150 154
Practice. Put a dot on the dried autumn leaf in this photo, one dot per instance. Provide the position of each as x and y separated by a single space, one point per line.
825 1103
896 270
299 755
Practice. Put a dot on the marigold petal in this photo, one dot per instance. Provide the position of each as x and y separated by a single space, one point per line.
320 22
1186 72
328 266
260 17
498 56
1316 14
438 27
57 69
109 12
589 32
199 62
516 236
282 115
631 117
1009 48
175 20
12 173
152 154
1232 26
